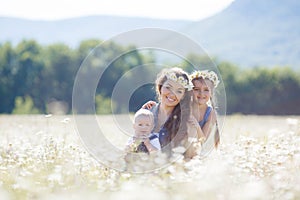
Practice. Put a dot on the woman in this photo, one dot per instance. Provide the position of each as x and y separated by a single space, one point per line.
173 117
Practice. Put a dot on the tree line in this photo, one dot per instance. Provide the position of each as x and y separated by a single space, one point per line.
37 79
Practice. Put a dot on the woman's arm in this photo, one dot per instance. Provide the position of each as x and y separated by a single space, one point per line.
148 105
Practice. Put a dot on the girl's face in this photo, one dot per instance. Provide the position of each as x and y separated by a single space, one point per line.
171 93
202 91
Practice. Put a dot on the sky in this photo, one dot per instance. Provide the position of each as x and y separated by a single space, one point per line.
63 9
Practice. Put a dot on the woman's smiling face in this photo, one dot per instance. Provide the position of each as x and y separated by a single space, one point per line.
171 93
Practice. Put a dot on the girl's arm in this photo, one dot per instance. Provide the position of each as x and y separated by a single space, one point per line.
209 124
195 137
194 129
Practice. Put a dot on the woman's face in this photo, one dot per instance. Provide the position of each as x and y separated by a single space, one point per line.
171 93
202 91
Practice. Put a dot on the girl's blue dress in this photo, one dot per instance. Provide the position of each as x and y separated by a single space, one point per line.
205 118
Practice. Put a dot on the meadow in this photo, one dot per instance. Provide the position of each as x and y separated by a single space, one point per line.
42 157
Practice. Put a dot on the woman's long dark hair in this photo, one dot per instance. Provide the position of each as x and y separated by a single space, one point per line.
176 124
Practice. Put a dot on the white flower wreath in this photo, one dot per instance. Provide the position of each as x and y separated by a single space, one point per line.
180 79
205 74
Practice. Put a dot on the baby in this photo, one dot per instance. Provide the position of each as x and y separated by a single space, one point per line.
143 140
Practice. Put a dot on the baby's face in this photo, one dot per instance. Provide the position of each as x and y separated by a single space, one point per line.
143 126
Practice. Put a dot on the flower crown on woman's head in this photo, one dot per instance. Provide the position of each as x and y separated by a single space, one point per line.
205 74
180 79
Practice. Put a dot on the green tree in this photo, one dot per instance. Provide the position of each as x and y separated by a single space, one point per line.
285 96
32 75
231 77
24 106
59 73
268 91
103 105
28 69
198 62
85 48
8 63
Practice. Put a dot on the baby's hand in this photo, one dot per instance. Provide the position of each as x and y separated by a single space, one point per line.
148 105
149 145
144 138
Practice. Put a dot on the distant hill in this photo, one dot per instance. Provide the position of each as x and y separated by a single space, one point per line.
253 32
72 31
247 33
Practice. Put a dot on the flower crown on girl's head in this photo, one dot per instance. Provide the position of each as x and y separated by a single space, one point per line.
205 74
180 79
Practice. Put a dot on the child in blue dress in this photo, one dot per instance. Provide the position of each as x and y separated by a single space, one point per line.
203 102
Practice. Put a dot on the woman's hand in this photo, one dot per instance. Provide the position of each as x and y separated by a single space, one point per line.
148 105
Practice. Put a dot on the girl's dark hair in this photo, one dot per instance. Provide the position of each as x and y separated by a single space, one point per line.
176 124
